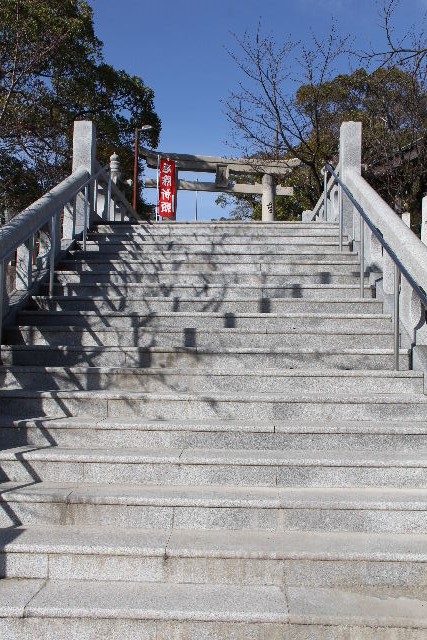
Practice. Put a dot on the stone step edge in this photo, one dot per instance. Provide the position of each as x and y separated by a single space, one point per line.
189 456
232 285
225 331
211 314
217 496
223 426
211 543
201 350
247 397
257 301
218 372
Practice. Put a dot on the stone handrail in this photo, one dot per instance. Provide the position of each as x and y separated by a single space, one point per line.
37 234
386 250
408 248
37 215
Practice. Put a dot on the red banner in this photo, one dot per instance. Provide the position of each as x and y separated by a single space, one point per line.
167 189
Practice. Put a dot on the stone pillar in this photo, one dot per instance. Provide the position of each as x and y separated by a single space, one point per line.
268 195
84 156
115 168
350 160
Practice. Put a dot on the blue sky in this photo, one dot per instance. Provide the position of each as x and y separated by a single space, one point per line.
179 48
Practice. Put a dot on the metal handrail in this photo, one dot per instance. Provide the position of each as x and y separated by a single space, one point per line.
399 267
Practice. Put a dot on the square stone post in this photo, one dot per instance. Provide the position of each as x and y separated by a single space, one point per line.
350 160
84 156
268 196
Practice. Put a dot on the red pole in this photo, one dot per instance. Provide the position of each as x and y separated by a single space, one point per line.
135 171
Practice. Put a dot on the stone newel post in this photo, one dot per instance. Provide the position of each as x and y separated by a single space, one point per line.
84 156
268 195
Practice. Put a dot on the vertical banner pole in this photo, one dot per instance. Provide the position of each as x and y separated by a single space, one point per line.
158 171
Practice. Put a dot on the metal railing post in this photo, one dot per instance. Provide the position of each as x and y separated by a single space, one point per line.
95 196
52 254
2 284
362 257
109 199
86 215
325 194
341 213
396 316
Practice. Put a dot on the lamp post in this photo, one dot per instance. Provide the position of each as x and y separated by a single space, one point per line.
145 127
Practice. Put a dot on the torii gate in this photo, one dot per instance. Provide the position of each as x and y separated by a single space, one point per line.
223 168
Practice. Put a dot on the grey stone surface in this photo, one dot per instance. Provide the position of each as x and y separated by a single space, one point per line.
231 437
15 596
159 602
322 606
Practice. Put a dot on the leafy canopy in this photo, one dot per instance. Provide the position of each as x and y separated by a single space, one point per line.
52 72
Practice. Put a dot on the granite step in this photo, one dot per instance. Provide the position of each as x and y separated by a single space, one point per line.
289 236
89 431
234 305
222 226
165 278
248 558
183 266
245 231
206 320
152 380
210 293
213 339
221 243
237 359
205 467
175 259
270 253
258 406
87 609
370 510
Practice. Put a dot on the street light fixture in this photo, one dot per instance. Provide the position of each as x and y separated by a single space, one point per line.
145 127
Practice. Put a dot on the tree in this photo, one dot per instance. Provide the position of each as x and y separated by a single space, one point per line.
407 51
274 117
267 116
52 72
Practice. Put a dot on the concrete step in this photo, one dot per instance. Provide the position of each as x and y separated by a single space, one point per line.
207 243
274 251
373 510
208 321
163 278
228 226
245 232
211 293
285 559
152 380
184 266
88 609
202 467
213 339
236 359
288 236
269 406
205 260
230 305
88 431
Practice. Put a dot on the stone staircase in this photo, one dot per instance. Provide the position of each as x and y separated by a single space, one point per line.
204 438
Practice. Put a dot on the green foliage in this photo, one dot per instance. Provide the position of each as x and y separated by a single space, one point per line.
52 72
